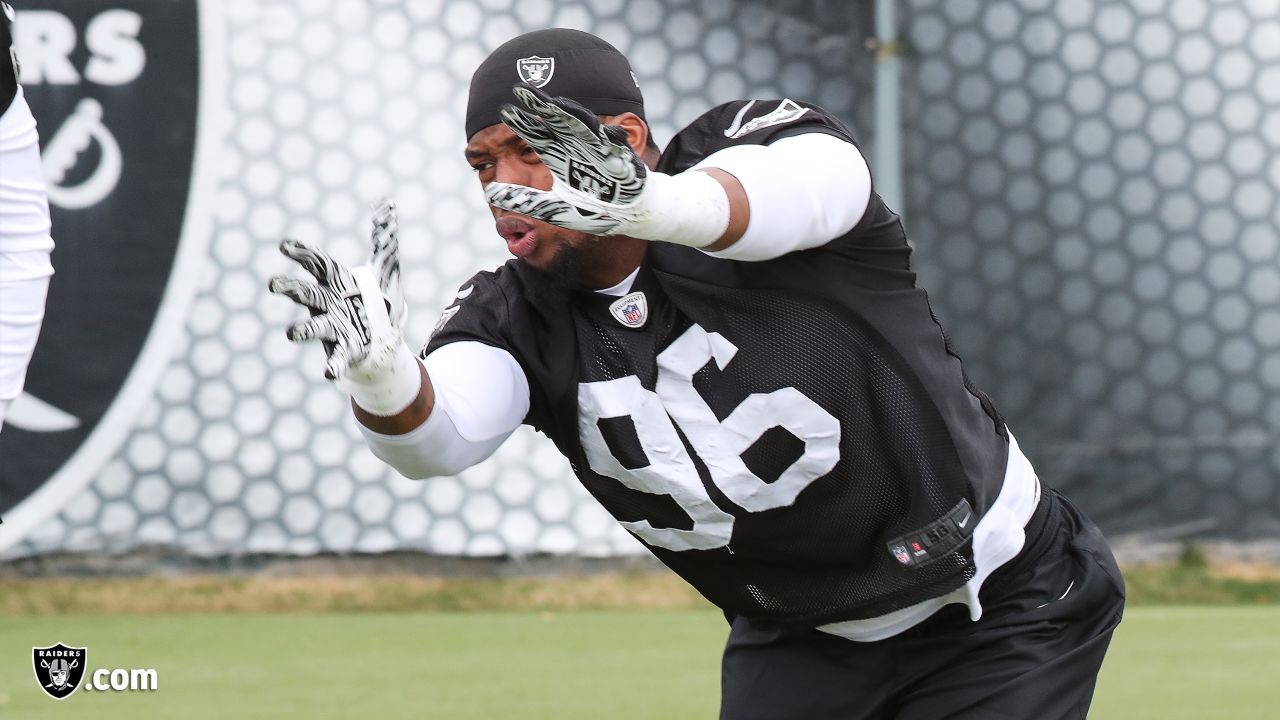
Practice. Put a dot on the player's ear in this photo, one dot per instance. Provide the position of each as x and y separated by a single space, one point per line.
637 130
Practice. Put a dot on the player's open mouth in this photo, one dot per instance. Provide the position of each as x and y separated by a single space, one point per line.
521 237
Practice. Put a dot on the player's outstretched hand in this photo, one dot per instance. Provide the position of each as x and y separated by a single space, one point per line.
355 312
384 258
598 179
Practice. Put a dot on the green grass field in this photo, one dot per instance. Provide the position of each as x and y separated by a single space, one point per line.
1167 663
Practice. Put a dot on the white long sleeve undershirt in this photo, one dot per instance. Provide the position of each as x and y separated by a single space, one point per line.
803 191
481 397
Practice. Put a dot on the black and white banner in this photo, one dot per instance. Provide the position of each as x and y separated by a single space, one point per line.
116 90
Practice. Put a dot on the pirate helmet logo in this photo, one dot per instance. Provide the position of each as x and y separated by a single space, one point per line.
536 71
59 669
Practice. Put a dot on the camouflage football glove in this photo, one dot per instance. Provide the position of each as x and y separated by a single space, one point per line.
600 186
357 313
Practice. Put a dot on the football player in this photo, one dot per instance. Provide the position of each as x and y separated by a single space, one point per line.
727 342
25 243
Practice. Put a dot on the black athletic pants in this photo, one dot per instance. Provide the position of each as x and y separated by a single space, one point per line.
1047 619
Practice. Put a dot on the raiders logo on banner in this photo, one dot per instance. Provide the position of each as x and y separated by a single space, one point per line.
122 94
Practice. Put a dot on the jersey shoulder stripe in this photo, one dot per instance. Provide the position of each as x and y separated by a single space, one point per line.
747 122
787 111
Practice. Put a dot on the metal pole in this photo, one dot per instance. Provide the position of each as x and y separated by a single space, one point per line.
887 160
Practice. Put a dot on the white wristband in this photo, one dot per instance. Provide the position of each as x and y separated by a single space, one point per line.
691 209
391 391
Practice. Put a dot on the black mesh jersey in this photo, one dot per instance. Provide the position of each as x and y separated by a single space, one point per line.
794 437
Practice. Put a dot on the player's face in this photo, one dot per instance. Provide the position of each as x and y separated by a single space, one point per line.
498 155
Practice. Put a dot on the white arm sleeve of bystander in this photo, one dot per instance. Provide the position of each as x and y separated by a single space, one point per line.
804 191
481 397
25 246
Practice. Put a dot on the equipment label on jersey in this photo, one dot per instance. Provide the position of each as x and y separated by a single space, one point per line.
631 310
935 540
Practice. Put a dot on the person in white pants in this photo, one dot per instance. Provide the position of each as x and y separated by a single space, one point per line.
25 242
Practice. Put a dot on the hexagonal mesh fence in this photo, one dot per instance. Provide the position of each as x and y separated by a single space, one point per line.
1093 192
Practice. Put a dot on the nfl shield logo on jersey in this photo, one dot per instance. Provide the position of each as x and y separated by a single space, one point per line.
536 71
900 552
631 310
59 669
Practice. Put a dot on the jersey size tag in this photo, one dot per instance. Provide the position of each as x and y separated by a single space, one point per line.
935 540
632 310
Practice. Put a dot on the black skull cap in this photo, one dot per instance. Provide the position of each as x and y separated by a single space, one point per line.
560 62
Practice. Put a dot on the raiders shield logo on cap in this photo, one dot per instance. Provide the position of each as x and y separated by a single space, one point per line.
59 669
130 186
536 71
